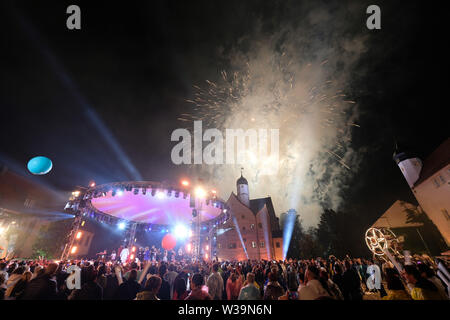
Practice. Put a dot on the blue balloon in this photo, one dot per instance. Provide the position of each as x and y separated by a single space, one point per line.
40 165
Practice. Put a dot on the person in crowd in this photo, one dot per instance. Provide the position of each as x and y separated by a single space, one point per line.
170 277
273 289
164 291
250 290
396 289
129 288
429 274
90 290
313 289
215 283
420 288
179 289
20 285
292 288
374 277
43 287
2 286
197 292
351 283
233 286
3 270
333 288
13 279
152 286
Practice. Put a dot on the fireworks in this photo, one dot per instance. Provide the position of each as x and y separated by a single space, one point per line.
306 101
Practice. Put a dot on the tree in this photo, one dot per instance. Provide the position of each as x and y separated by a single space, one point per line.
51 239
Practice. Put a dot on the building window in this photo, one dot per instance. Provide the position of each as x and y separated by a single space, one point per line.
252 226
219 246
445 213
277 244
436 182
260 225
442 179
253 244
243 228
261 244
243 217
245 239
232 245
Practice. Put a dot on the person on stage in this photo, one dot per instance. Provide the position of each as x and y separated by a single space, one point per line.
113 256
153 253
147 254
124 254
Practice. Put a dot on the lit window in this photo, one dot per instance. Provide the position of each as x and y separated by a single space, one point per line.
252 226
253 244
232 245
219 246
261 244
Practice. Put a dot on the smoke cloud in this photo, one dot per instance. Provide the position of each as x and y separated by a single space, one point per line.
296 79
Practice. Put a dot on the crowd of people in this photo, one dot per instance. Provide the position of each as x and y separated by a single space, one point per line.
314 279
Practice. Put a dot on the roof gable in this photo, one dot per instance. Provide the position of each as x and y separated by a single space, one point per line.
437 160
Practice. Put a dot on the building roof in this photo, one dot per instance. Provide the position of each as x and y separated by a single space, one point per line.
242 180
437 160
257 204
396 216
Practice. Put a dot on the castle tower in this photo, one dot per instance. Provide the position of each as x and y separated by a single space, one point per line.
410 166
242 190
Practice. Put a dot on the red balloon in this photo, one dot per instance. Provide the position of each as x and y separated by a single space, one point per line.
168 242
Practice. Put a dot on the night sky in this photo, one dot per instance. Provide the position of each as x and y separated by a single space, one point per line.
134 63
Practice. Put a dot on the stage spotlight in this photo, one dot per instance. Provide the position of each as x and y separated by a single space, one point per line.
184 183
74 249
200 193
181 231
121 225
92 184
76 193
224 210
160 195
120 193
79 234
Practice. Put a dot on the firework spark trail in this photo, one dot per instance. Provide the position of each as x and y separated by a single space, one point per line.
307 101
